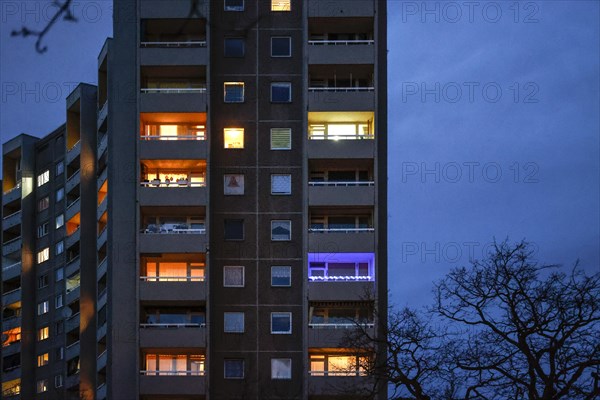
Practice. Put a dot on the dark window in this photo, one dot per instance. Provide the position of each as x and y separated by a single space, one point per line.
234 5
234 47
43 281
234 229
281 92
281 46
234 369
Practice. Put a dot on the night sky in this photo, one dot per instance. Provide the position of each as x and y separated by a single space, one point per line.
493 123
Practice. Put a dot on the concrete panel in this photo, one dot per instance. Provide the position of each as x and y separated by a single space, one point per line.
341 101
328 338
334 291
173 292
339 54
11 195
11 220
174 56
173 337
11 271
341 148
12 246
172 385
173 102
173 243
169 8
164 196
341 8
338 242
349 387
173 149
11 297
341 195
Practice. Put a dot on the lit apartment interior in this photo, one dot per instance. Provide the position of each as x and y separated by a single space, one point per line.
173 220
341 267
173 173
173 126
351 125
169 363
337 362
173 267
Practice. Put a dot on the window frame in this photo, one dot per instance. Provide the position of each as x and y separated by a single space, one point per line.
60 217
225 229
234 8
234 83
288 193
280 221
238 313
281 83
289 42
243 369
43 307
289 130
43 229
43 203
289 8
288 375
41 386
60 191
226 130
42 255
43 333
289 268
280 313
243 268
59 247
43 178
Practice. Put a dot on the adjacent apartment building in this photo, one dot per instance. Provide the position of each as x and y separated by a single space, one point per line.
210 221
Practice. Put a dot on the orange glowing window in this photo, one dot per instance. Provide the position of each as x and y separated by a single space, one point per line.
234 138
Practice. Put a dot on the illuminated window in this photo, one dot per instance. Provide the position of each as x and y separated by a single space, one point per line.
281 138
281 92
281 46
42 386
233 276
234 47
43 333
337 365
233 322
43 307
42 360
59 248
234 5
281 230
43 178
281 323
281 368
174 272
60 221
281 276
281 184
43 255
60 194
234 92
234 369
233 138
281 5
175 364
60 168
11 336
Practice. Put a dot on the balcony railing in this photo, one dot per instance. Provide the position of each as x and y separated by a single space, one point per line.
185 325
172 278
341 230
174 90
317 136
11 241
342 89
17 186
174 184
6 268
348 325
173 137
190 43
11 215
340 42
172 229
341 183
338 373
172 373
342 278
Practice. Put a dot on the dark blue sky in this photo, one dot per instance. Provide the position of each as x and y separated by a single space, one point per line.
494 126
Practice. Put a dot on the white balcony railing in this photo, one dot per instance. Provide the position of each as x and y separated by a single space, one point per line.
175 184
172 373
344 278
173 90
338 373
341 183
185 325
317 136
173 229
172 278
348 325
17 186
341 230
11 215
340 42
342 89
6 268
173 137
190 43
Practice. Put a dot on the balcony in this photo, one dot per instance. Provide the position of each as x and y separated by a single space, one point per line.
102 113
179 9
73 207
72 323
172 335
173 89
341 193
341 40
102 268
341 135
173 183
72 350
341 87
12 194
173 42
341 239
173 136
341 8
11 220
73 152
185 383
173 289
11 270
12 296
102 145
73 265
12 246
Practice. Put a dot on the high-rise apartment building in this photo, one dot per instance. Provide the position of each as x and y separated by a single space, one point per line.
210 221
